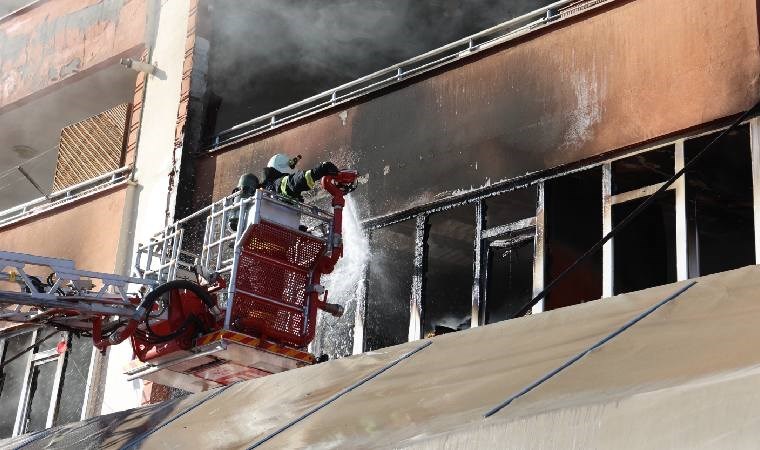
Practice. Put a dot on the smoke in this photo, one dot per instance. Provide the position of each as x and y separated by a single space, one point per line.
269 53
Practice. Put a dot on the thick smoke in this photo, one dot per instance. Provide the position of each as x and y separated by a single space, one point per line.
269 53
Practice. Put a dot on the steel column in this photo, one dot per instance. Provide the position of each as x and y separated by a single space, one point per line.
361 308
608 248
477 279
418 277
754 127
682 253
538 250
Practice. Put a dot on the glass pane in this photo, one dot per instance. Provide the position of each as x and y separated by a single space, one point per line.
642 170
11 380
644 251
511 206
509 275
447 303
719 204
51 342
40 393
389 289
74 381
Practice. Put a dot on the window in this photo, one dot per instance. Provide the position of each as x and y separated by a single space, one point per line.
389 288
573 225
447 297
43 388
719 204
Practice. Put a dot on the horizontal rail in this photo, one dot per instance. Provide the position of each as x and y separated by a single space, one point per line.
65 196
393 74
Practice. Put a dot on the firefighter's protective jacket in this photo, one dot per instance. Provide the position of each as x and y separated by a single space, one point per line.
291 186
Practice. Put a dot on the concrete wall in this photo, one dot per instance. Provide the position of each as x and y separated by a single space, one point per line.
156 163
87 232
622 75
54 40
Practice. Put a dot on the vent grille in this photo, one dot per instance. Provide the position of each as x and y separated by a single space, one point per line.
91 147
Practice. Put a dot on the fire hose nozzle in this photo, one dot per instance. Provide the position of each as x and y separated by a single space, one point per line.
334 309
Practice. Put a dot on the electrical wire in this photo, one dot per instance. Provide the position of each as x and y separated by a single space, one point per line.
629 218
31 347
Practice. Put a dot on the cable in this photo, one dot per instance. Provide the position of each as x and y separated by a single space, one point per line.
31 347
340 394
616 229
580 355
33 158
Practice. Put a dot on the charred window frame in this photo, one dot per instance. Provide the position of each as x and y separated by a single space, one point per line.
618 195
41 400
683 256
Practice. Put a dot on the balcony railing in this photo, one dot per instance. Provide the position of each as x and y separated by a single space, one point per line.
64 196
447 54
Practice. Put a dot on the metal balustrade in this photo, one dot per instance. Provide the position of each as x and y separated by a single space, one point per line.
64 196
396 73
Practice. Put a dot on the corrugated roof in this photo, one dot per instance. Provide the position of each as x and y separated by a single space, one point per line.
686 376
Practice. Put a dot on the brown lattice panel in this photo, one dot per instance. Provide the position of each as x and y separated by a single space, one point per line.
91 147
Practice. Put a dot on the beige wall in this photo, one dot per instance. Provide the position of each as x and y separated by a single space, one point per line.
87 232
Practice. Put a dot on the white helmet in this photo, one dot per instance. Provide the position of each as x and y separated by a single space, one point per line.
281 163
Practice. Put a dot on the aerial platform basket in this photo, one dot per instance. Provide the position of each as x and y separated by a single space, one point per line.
236 304
267 270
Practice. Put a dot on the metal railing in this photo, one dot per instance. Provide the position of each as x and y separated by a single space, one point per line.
447 54
64 196
169 255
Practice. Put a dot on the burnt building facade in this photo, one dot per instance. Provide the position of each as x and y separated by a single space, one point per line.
488 164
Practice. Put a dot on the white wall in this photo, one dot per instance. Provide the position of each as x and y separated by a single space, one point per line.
153 166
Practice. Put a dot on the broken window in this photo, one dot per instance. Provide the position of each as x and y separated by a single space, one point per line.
511 206
643 169
447 297
573 224
508 244
11 381
509 275
389 286
719 204
645 250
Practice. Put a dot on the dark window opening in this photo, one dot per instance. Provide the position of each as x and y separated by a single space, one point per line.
643 169
644 251
511 206
719 204
11 381
389 287
447 302
573 224
509 274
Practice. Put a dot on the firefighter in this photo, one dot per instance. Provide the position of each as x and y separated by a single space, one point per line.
247 185
282 178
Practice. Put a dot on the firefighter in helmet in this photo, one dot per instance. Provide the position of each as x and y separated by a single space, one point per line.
282 178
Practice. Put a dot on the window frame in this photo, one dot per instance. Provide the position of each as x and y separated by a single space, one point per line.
608 200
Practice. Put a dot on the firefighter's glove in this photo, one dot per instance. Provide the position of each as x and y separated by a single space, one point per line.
324 168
